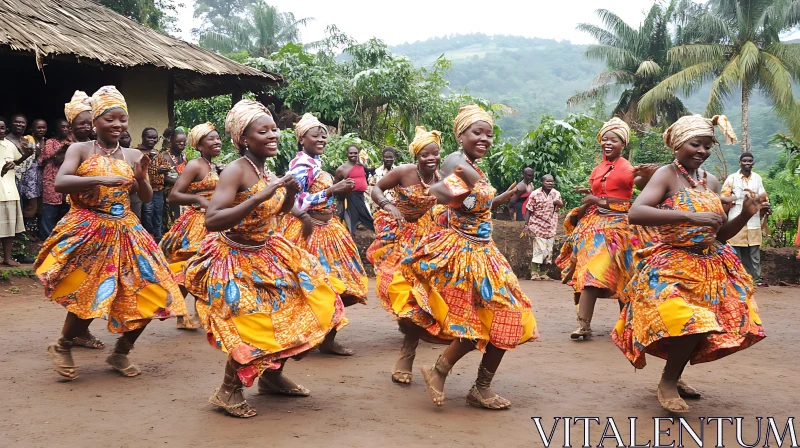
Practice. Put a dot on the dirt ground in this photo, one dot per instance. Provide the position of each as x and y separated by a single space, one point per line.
354 403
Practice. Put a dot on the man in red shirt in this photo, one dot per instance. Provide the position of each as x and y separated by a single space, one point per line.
541 215
355 210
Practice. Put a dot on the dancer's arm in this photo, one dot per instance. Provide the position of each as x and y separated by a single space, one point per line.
221 214
66 180
195 171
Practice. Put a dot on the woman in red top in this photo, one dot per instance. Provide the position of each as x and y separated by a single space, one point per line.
355 210
597 256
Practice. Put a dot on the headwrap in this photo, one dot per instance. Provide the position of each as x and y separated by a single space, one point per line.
79 103
691 126
468 115
423 138
306 123
240 116
618 127
105 99
198 132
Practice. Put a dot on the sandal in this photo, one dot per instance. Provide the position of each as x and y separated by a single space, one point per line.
88 340
674 405
265 386
443 368
484 381
238 410
687 391
185 323
408 352
584 330
60 354
119 359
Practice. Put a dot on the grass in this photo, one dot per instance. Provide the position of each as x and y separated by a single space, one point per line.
7 273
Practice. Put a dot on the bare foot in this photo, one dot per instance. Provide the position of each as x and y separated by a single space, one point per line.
11 262
276 383
331 347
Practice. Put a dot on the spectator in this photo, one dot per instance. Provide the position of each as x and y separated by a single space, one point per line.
54 207
145 210
746 243
355 209
389 155
541 214
524 190
11 222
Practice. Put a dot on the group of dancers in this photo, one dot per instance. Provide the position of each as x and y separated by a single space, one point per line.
272 271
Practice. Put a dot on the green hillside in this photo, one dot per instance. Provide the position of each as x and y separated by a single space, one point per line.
536 76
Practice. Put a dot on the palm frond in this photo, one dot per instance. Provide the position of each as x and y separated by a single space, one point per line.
687 80
776 81
602 36
789 54
688 55
614 57
613 22
613 77
648 69
748 58
593 94
722 87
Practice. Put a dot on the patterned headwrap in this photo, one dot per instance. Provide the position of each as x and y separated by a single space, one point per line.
691 126
240 116
79 103
423 138
618 127
306 123
468 115
105 99
198 132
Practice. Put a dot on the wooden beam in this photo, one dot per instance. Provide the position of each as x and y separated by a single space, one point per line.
171 99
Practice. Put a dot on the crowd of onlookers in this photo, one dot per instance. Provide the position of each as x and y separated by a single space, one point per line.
32 153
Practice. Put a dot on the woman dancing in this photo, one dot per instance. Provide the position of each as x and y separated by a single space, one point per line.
690 298
330 240
261 299
99 262
401 223
596 258
193 188
462 280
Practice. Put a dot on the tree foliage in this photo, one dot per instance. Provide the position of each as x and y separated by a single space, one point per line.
736 46
156 14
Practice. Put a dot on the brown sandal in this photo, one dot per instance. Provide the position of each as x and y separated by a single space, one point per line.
674 405
60 354
407 352
265 386
88 340
484 381
185 323
687 391
443 368
119 361
584 330
238 410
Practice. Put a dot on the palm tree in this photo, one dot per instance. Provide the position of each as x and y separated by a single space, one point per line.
736 45
262 31
635 63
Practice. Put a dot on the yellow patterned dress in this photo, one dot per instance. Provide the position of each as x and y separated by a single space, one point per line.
181 242
689 283
261 304
394 243
99 261
463 282
332 244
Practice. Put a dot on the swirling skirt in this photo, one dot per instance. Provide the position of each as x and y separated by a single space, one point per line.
392 244
470 291
181 242
675 292
337 253
261 304
599 252
99 266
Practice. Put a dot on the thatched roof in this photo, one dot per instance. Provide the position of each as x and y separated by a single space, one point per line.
83 31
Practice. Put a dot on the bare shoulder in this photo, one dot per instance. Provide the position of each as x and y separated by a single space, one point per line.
132 155
713 182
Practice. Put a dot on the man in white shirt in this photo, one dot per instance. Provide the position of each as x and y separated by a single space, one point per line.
747 242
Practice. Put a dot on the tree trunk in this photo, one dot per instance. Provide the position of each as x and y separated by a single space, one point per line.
745 116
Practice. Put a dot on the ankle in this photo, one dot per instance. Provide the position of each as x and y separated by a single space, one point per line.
123 346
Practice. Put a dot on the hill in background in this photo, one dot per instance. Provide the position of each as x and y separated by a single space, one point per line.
536 76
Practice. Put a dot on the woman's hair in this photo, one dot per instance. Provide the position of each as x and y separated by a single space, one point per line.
389 149
173 132
3 119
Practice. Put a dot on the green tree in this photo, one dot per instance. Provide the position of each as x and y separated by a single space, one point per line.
736 45
636 61
261 31
156 14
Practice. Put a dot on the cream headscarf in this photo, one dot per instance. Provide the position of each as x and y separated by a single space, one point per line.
240 116
79 103
105 99
618 127
691 126
198 132
306 123
423 138
467 116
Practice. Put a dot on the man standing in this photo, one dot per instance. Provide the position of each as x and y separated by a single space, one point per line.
355 209
747 242
524 190
388 155
541 215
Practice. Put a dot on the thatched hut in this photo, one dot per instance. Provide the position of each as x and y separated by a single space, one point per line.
50 48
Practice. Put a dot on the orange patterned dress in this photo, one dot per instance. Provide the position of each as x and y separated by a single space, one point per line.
181 242
463 282
332 244
261 304
393 243
99 261
689 283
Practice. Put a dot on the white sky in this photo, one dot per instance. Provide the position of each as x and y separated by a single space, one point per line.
412 20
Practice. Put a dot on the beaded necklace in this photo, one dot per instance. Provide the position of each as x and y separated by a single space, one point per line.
108 152
692 182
